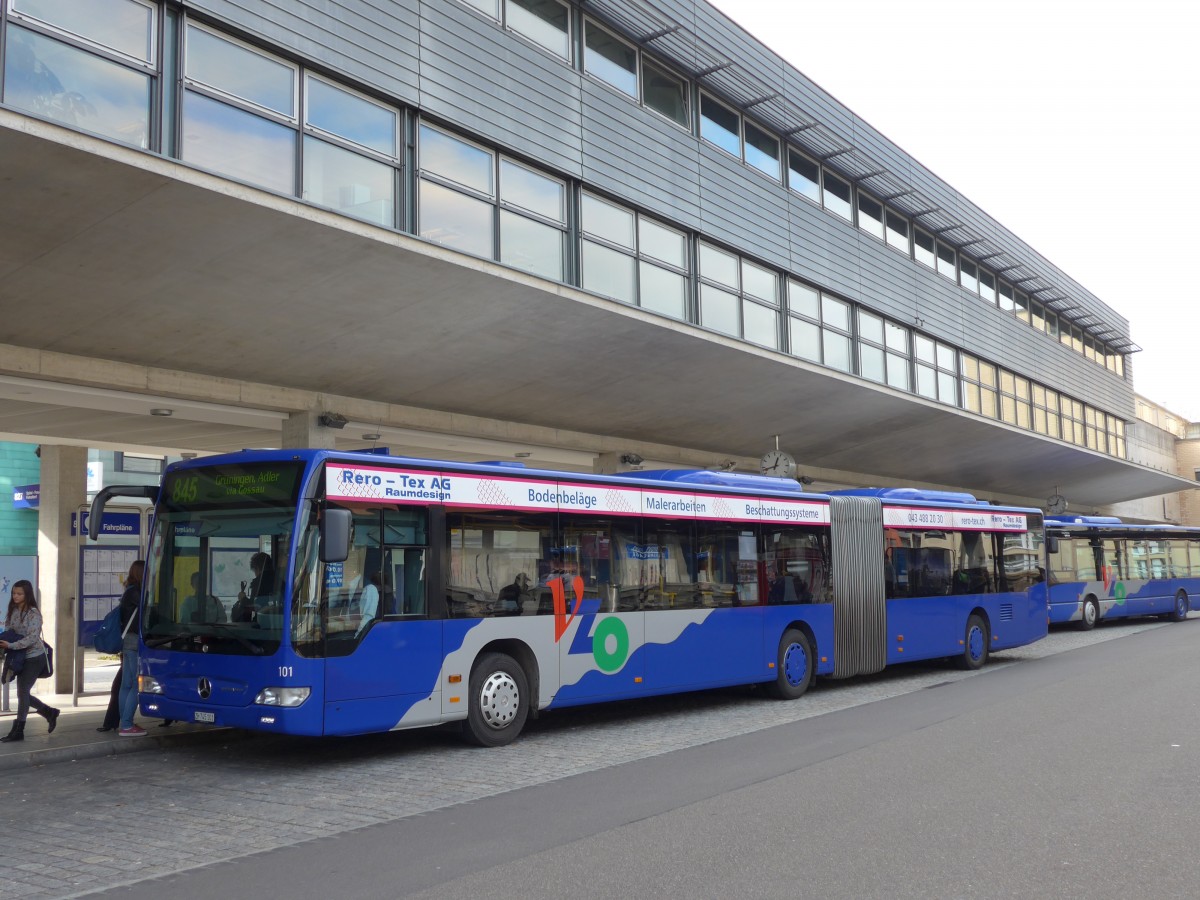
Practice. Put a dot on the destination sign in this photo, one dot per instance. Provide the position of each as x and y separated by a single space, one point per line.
242 485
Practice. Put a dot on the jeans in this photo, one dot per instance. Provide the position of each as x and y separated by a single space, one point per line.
25 681
129 692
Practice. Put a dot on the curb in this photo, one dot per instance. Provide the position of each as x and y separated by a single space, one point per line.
114 747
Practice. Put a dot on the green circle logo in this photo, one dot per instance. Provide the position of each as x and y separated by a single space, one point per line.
1119 592
610 660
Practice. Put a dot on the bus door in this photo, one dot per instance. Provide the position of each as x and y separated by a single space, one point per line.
383 651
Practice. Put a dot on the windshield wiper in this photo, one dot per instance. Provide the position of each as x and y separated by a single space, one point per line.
162 641
253 648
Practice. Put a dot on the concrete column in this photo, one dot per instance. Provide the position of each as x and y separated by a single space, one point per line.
64 490
302 430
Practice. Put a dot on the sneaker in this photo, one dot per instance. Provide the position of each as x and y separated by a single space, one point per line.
132 731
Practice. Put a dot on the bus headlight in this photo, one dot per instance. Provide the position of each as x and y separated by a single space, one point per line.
148 684
282 696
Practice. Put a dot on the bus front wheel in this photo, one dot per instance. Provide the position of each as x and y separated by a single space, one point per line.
1090 614
793 666
498 703
975 645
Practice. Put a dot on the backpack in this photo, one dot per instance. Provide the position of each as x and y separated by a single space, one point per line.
110 637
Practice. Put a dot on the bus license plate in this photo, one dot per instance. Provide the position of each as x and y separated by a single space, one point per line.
205 717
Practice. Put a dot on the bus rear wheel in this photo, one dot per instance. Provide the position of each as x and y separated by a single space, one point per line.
498 702
1090 614
1180 612
975 645
793 666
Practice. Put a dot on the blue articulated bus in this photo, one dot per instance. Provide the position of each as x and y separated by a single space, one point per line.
1103 568
315 592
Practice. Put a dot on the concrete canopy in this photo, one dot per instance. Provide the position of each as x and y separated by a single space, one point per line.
110 254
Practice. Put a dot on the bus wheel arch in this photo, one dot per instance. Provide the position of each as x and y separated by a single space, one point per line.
1181 608
500 695
1089 613
977 637
795 663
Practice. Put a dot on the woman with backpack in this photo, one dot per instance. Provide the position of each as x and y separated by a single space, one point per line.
128 694
25 619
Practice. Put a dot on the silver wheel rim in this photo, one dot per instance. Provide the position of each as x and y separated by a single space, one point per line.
1089 613
499 700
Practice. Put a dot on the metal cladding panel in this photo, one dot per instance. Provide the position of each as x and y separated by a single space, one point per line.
742 208
639 156
859 610
376 43
495 85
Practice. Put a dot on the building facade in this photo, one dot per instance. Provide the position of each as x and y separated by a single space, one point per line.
681 191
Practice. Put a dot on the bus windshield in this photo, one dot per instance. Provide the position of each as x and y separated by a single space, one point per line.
217 565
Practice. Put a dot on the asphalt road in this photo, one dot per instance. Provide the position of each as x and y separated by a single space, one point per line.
1066 769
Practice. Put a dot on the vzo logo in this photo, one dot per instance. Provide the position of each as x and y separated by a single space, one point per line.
608 642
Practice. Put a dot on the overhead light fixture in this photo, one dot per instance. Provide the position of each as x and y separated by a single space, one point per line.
631 459
332 420
523 454
188 455
162 411
371 436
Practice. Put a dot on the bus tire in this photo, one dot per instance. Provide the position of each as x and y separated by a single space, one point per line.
975 643
1090 614
498 703
1180 612
793 666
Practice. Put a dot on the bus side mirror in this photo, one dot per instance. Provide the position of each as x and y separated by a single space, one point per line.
335 535
1051 544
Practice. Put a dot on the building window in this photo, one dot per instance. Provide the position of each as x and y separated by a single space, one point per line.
459 205
136 463
610 59
720 125
819 327
545 22
633 259
870 215
1045 411
1072 421
350 153
968 275
239 111
897 231
804 176
88 65
762 150
882 350
1006 301
1116 437
1021 306
936 368
979 386
946 261
987 286
738 297
837 196
664 93
488 7
924 248
533 220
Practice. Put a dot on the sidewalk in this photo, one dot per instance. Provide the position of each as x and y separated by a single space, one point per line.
76 736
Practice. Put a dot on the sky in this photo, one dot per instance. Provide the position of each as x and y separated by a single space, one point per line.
1074 124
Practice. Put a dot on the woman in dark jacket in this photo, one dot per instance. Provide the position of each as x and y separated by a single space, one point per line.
133 589
130 601
25 619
